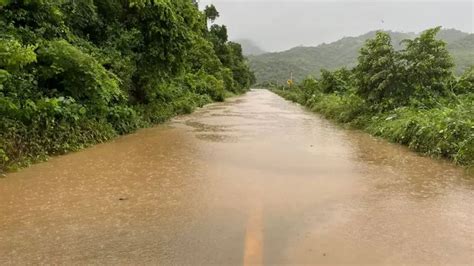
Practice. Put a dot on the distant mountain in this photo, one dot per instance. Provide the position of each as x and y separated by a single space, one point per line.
462 51
304 61
250 48
451 35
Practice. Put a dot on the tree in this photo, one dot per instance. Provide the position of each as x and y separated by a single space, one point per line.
377 73
211 13
427 64
465 83
240 69
336 81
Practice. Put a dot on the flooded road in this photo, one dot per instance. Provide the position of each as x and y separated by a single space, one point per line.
255 180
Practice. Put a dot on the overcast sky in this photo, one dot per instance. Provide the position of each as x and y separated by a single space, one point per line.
280 25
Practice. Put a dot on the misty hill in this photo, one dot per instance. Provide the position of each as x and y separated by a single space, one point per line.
250 48
451 35
462 51
304 61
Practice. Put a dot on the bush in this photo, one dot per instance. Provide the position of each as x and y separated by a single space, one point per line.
465 84
66 70
204 84
343 108
440 132
124 119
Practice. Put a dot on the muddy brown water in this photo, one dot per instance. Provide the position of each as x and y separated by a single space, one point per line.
254 180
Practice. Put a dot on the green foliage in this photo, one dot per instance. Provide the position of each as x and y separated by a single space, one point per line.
211 13
124 119
428 64
431 112
14 56
465 84
310 87
420 73
204 84
202 57
74 73
66 70
337 81
242 75
441 132
342 108
377 72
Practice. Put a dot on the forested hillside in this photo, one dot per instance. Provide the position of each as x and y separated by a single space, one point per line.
74 73
304 61
462 51
409 96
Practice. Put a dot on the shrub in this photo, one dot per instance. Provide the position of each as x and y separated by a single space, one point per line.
66 70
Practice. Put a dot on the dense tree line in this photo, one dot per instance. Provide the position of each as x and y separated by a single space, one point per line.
74 73
409 96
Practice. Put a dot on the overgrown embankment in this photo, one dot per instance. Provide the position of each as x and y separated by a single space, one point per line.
75 73
409 97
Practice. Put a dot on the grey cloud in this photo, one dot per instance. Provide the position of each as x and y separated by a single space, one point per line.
280 25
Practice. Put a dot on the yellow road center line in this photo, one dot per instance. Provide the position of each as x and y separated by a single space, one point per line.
253 252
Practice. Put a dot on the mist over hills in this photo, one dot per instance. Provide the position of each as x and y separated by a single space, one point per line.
304 61
250 48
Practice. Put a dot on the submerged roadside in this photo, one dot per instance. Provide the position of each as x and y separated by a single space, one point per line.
74 74
39 143
401 95
437 132
255 179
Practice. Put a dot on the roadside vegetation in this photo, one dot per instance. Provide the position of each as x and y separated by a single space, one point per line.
76 73
408 96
